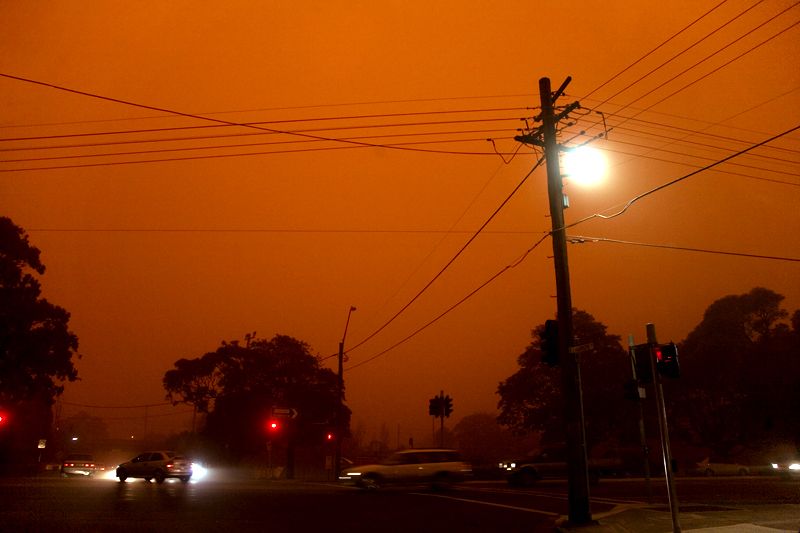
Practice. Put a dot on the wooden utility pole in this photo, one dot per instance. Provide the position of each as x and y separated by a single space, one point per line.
577 470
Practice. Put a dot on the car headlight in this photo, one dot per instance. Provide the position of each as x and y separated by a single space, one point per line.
794 466
774 465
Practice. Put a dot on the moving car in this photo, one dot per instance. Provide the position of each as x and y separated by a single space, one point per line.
439 467
78 464
158 465
787 466
553 464
709 467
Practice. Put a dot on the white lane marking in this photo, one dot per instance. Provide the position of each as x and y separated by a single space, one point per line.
490 504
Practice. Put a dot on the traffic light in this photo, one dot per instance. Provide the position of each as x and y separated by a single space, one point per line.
435 406
549 343
644 370
273 426
329 436
448 406
667 360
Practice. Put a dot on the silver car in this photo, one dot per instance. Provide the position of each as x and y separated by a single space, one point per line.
78 464
158 465
438 467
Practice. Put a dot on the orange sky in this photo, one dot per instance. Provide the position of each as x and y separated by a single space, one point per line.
159 261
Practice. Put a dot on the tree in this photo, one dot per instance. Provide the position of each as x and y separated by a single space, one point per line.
740 374
36 345
247 382
483 442
195 381
532 400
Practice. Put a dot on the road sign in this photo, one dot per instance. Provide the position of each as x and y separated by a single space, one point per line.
284 412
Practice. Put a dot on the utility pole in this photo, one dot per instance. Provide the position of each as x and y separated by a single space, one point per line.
642 435
441 419
337 454
577 469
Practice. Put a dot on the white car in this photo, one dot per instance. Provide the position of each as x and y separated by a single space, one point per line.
714 468
439 467
158 465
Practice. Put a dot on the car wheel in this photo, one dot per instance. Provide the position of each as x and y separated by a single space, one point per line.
371 481
159 476
122 475
709 472
185 479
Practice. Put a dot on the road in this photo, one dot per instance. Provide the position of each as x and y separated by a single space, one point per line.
244 504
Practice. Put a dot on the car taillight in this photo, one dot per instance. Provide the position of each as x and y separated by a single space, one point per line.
170 465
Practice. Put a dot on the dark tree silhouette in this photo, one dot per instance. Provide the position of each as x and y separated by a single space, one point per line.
531 399
36 346
740 375
238 386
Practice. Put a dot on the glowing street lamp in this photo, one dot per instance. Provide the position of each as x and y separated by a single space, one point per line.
585 166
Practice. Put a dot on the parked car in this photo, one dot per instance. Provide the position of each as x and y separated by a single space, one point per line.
158 465
78 464
711 467
439 467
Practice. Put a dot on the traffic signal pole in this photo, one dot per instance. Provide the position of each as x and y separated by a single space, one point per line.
578 474
663 430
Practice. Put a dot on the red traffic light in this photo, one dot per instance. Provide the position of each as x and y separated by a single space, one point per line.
329 436
273 425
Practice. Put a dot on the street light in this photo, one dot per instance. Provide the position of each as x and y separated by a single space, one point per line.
584 165
337 457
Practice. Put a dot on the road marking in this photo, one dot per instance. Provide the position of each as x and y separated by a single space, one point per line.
563 497
490 504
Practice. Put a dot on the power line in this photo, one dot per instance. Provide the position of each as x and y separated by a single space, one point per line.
582 239
662 125
407 146
452 260
115 406
618 74
671 59
707 167
717 69
284 108
208 119
686 164
249 145
684 177
452 307
276 230
673 152
260 123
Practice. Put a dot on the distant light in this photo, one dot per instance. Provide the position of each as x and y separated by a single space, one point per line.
74 439
585 166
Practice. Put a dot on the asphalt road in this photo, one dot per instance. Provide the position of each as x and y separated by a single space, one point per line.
245 504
